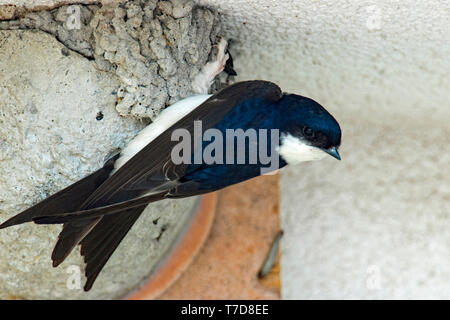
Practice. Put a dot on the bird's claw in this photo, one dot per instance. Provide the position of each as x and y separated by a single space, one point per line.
204 79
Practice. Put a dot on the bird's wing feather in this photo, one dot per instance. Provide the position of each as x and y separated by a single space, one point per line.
153 161
88 214
67 200
71 235
98 246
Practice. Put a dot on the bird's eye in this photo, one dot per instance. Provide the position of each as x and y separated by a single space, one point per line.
308 132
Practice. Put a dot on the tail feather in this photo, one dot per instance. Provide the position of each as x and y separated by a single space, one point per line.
67 200
100 243
89 213
71 235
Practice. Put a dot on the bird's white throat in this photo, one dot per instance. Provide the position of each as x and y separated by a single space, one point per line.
294 150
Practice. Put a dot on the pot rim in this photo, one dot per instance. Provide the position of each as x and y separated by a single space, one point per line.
182 252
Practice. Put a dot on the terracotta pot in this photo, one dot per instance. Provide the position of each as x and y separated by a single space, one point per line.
181 253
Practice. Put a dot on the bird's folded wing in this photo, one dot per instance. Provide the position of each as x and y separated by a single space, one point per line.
71 235
66 200
153 162
98 246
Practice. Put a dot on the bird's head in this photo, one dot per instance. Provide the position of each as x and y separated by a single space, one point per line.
307 131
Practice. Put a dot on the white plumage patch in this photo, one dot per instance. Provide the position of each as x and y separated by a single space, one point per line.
293 150
163 121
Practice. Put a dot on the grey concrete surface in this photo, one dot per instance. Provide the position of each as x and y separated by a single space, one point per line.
374 225
155 48
50 136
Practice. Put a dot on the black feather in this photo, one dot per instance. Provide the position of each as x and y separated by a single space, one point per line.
67 200
98 246
71 235
229 67
88 214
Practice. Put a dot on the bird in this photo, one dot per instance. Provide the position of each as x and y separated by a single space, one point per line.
99 210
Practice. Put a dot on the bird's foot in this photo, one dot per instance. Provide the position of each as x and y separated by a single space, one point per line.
204 79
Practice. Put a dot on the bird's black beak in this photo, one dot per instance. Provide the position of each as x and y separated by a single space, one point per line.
332 152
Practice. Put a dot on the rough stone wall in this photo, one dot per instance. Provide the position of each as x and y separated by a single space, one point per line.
60 90
155 48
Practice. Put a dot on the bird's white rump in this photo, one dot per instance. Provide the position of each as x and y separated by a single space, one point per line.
165 120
